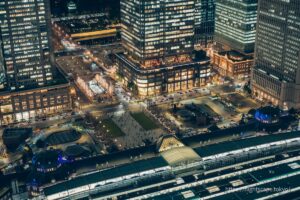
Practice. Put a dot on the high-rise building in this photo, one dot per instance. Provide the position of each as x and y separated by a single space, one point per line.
156 30
276 74
26 70
204 22
235 24
26 52
158 37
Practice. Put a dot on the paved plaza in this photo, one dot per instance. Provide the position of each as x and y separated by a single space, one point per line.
135 134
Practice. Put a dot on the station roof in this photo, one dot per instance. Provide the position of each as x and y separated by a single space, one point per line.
278 170
223 147
178 195
258 176
263 190
167 142
127 169
179 155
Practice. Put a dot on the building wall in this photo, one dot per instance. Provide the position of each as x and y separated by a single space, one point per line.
27 105
235 24
226 67
276 74
163 80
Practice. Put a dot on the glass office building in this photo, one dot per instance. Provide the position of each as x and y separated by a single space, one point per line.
158 37
25 56
204 22
235 24
276 74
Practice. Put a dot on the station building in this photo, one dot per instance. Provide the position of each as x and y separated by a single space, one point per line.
232 64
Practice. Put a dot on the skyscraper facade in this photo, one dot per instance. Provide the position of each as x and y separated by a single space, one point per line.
276 74
235 24
156 30
26 52
158 37
204 22
25 60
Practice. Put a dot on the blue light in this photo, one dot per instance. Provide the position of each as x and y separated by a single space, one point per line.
62 160
262 117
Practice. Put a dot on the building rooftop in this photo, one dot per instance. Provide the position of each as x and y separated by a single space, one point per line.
77 150
46 159
62 136
219 148
127 169
268 114
94 23
235 56
180 155
16 132
14 137
197 60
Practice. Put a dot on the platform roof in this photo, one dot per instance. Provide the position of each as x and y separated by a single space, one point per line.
223 147
123 170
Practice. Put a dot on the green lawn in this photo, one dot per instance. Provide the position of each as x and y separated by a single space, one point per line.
112 127
146 122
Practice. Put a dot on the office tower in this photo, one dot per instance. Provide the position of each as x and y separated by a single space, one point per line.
155 30
25 60
158 37
26 53
276 74
235 24
204 22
